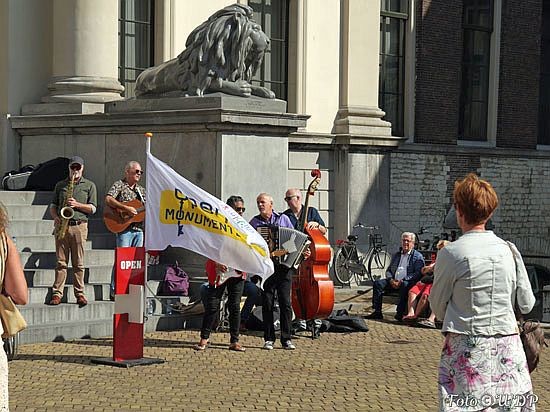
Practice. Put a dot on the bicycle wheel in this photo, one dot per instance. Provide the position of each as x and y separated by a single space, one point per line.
378 264
341 269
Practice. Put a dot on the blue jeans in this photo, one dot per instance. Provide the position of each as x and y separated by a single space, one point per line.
128 238
253 298
381 285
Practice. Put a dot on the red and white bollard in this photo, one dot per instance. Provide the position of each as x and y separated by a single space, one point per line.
128 319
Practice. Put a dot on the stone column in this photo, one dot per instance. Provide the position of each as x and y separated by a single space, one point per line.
85 52
359 117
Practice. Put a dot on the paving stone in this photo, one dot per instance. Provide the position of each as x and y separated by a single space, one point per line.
340 372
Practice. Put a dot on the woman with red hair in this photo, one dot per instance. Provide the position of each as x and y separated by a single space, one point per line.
477 282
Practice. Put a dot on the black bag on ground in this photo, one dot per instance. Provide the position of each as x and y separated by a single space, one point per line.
255 320
46 175
17 179
340 321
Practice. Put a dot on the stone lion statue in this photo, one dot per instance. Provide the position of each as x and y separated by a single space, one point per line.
221 55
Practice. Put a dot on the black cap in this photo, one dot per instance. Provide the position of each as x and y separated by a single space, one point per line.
76 159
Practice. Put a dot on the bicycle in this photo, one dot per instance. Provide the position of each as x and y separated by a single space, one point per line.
350 264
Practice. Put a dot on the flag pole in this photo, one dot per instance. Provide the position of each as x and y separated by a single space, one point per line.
148 136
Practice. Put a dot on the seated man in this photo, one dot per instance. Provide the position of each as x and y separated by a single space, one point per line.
404 271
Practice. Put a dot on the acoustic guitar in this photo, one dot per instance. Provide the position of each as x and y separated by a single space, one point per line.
118 220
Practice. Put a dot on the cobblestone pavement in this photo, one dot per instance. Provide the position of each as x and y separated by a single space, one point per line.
390 368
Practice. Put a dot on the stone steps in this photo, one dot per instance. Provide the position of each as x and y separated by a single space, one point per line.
42 294
45 259
42 242
46 277
27 227
58 332
31 225
25 198
35 314
29 212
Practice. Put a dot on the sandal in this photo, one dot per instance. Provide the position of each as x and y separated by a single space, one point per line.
426 324
200 347
409 318
237 347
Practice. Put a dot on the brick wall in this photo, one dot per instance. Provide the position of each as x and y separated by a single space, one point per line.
421 194
458 167
417 194
524 194
438 71
519 74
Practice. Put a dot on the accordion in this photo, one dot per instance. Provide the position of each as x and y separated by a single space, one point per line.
286 245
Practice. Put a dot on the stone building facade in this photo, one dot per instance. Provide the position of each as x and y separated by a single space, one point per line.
460 83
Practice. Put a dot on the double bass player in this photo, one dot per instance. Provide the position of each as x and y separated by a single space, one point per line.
293 198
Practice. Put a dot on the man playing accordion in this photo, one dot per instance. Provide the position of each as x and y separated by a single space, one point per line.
280 281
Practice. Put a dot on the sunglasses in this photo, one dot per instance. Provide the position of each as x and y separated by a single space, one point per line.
76 166
138 172
240 209
288 198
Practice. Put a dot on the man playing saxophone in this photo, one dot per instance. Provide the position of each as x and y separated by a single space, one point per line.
75 198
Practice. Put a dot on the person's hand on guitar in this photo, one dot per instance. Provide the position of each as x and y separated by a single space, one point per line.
131 210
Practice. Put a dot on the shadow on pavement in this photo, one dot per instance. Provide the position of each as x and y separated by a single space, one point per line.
77 359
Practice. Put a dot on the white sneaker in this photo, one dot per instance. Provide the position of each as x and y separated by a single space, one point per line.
268 345
288 345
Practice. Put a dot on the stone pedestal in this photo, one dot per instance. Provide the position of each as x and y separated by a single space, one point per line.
227 145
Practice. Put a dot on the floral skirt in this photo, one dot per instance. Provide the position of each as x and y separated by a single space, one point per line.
479 373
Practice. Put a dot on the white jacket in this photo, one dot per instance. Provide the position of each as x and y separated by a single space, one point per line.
475 285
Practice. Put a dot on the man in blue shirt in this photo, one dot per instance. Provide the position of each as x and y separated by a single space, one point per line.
293 198
404 271
280 281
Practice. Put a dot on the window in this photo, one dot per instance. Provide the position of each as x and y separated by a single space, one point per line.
393 25
272 15
544 86
135 34
477 25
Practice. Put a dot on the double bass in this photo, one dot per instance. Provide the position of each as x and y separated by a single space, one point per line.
312 289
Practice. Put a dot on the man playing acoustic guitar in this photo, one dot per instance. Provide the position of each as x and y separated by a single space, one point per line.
126 201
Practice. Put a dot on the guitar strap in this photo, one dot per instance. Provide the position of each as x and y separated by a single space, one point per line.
139 194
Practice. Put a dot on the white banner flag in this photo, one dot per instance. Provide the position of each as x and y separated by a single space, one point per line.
178 213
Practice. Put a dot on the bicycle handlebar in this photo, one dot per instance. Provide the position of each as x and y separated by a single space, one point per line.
423 229
362 226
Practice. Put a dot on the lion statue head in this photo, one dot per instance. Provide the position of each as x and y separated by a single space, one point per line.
222 54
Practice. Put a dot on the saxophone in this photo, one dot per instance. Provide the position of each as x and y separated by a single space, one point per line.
66 213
